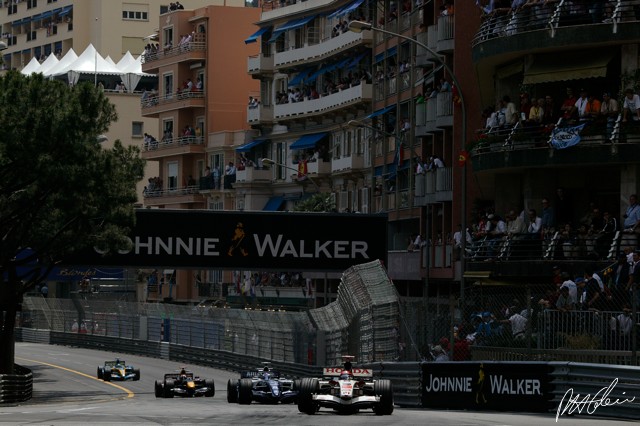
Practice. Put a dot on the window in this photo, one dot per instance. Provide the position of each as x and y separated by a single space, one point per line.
217 162
281 157
347 145
32 3
172 175
164 9
168 85
337 146
135 15
137 129
167 37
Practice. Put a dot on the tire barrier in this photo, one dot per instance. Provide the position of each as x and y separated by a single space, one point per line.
16 387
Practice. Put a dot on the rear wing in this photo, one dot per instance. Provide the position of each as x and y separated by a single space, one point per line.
258 373
363 373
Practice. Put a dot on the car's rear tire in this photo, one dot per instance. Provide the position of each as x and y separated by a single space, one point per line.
308 387
245 392
212 388
100 372
158 389
136 374
106 376
232 391
384 389
167 391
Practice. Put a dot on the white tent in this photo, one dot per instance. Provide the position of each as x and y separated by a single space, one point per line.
108 59
89 62
63 63
132 71
48 63
32 67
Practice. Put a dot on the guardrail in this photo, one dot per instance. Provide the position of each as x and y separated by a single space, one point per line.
16 387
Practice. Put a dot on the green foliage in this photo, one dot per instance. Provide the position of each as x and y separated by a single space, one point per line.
60 190
319 202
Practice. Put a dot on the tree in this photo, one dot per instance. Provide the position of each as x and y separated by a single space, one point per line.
60 190
318 202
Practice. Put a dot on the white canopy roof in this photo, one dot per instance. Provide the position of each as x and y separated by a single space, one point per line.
66 60
31 67
129 69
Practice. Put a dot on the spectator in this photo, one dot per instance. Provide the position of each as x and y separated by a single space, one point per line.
44 290
229 175
631 106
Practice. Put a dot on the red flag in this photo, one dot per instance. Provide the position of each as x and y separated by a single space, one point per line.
462 158
455 95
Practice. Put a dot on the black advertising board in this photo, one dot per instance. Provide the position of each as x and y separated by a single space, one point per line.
501 386
248 240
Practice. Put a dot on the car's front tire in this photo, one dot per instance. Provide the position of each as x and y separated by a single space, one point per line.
167 391
212 389
384 389
158 389
308 387
245 392
232 391
100 372
136 374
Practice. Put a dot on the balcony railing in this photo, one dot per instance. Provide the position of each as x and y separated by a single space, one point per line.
322 50
154 100
253 174
553 14
347 163
259 113
172 143
434 186
523 136
173 192
199 43
354 94
259 63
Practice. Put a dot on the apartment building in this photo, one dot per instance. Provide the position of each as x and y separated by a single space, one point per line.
39 28
546 51
201 108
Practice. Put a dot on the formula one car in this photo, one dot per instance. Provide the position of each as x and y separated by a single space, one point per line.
346 390
262 385
184 383
117 370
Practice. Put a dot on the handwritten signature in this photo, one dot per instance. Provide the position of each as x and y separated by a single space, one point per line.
588 403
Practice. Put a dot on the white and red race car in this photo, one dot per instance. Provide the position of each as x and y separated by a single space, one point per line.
347 390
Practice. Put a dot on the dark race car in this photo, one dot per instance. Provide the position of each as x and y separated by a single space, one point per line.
264 386
183 383
117 370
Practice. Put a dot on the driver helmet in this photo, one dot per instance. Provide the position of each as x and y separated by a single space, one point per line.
265 369
345 375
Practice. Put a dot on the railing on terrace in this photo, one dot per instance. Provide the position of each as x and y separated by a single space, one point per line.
172 143
553 14
524 136
172 192
199 43
153 100
561 244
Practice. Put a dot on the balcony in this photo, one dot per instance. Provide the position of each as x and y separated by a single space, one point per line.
155 104
347 164
195 50
272 9
176 146
444 109
183 195
428 38
434 187
259 64
326 103
555 25
259 114
445 34
323 50
527 147
254 175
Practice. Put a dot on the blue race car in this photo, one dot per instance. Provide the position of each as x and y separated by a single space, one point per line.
117 370
264 386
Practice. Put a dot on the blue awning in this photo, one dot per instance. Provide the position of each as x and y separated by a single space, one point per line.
380 112
249 146
16 23
308 141
290 25
357 59
300 76
349 8
66 10
43 15
386 54
318 73
254 37
274 204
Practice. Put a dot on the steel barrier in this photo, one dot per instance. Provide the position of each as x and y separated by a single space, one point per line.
16 387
